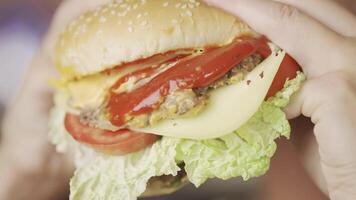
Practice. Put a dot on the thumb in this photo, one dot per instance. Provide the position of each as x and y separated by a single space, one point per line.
330 102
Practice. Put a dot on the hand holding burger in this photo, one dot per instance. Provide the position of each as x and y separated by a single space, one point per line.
325 46
107 171
155 93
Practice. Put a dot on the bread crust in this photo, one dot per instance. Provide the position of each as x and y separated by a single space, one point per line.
129 30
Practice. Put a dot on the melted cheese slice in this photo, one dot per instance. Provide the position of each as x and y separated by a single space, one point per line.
90 92
229 107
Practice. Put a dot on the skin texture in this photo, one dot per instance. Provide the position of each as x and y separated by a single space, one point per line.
326 51
323 44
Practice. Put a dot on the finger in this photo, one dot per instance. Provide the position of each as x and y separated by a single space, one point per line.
328 12
329 87
316 48
330 102
294 108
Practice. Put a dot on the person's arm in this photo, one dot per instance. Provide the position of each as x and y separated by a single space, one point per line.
322 39
29 166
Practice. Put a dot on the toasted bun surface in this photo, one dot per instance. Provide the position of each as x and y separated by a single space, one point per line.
133 29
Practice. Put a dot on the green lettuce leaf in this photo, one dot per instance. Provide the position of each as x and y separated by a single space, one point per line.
124 177
246 152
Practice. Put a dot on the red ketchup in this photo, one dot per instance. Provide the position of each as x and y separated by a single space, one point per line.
194 72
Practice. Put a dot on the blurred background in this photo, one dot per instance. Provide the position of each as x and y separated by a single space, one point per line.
23 24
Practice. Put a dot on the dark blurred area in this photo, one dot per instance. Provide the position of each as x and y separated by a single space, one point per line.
234 189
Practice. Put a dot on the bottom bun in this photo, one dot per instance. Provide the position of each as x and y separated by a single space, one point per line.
163 185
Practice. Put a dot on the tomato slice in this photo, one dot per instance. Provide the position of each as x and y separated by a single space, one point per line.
119 142
287 71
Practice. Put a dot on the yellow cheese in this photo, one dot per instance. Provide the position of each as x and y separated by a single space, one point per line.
90 92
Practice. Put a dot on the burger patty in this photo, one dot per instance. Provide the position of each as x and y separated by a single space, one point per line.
192 101
181 103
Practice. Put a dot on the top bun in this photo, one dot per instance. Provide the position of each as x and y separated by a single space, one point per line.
128 30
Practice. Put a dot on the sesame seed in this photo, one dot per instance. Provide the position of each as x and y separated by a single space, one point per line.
82 29
165 4
143 23
72 24
122 14
62 42
139 16
99 32
76 61
189 13
89 19
102 19
130 29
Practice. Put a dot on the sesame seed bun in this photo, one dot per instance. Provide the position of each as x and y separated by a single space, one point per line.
125 31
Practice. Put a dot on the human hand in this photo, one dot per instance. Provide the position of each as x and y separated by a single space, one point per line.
29 166
321 36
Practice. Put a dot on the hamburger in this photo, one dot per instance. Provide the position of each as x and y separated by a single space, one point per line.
154 94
